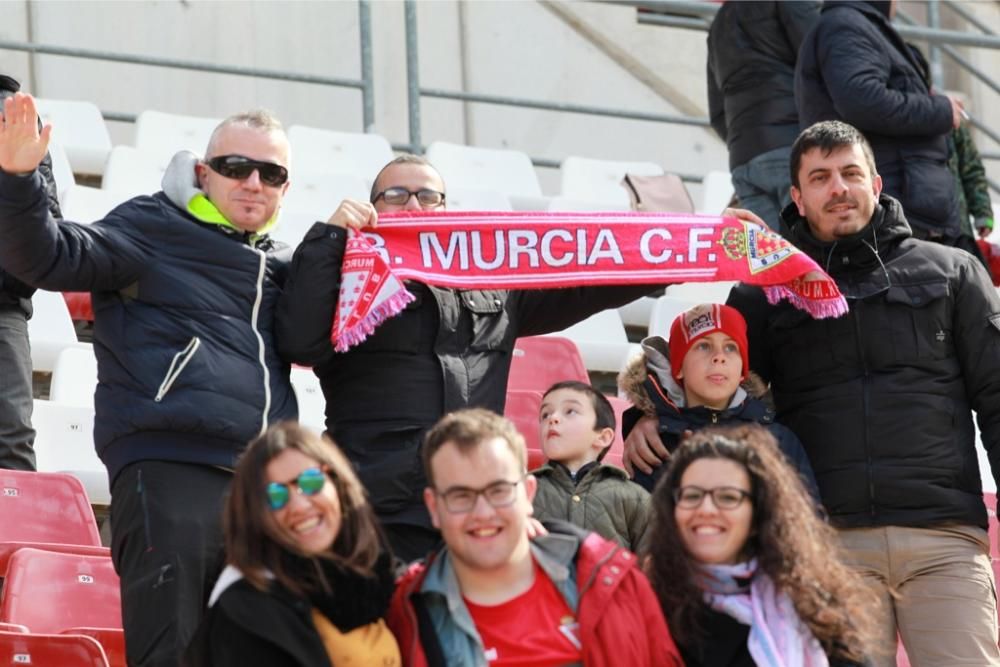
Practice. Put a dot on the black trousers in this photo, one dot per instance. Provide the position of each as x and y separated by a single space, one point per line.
167 547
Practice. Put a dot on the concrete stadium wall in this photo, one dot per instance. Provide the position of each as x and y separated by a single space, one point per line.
585 53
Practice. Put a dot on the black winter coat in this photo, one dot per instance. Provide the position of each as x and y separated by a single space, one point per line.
752 49
183 334
881 398
725 645
12 290
449 349
854 67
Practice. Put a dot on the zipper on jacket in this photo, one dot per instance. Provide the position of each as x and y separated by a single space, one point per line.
177 365
260 339
865 396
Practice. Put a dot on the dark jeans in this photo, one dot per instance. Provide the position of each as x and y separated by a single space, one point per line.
762 185
167 547
16 434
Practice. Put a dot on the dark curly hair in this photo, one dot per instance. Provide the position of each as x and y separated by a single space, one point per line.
796 549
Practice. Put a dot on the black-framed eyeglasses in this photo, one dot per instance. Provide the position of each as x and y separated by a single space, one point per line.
723 497
241 167
310 482
399 196
461 499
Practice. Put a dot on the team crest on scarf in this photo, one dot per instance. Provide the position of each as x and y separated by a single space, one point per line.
762 247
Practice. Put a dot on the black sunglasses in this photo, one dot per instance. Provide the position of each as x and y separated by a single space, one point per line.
399 196
240 168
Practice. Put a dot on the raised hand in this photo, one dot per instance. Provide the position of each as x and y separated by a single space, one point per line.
22 147
354 214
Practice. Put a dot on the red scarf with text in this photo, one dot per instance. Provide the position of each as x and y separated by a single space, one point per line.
539 250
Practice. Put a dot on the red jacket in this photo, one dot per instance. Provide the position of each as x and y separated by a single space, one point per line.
619 615
991 253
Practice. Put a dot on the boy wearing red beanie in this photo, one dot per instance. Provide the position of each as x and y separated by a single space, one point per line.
702 378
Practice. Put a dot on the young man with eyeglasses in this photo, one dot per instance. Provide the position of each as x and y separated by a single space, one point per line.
184 285
449 349
491 595
882 399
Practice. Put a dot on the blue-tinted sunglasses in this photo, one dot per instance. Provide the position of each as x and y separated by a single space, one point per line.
310 482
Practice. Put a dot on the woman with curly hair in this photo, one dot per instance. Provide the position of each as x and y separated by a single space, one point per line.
745 571
309 574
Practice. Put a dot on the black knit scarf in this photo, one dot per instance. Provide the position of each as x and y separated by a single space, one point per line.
345 597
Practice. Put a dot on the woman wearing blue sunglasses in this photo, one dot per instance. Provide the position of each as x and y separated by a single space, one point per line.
309 574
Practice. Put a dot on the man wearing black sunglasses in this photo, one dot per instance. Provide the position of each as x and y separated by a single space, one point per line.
449 349
882 399
184 285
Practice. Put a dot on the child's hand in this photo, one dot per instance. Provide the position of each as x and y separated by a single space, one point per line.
643 448
534 528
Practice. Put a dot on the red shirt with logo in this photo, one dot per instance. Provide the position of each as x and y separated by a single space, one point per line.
535 628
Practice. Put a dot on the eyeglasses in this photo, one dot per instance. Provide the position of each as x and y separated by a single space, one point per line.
723 497
240 168
399 196
461 499
310 482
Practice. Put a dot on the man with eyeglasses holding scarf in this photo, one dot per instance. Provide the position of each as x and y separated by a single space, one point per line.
448 349
881 398
184 285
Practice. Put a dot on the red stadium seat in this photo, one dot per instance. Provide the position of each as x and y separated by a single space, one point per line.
538 362
51 592
80 307
111 640
45 507
18 648
522 409
614 455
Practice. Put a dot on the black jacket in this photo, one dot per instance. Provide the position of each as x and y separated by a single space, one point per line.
183 331
13 292
725 645
854 67
449 349
650 399
881 398
752 49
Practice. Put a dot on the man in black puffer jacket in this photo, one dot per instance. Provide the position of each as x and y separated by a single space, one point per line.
882 399
853 66
752 49
184 285
16 434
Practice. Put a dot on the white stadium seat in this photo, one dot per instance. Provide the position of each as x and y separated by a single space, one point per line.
83 204
600 180
602 341
318 150
320 192
716 192
74 377
131 172
80 129
50 330
64 442
465 199
468 167
62 172
560 203
665 311
161 135
309 394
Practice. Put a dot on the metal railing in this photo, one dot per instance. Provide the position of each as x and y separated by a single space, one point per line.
415 93
365 84
694 15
